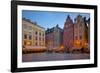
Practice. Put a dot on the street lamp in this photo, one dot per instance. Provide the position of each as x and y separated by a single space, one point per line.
77 42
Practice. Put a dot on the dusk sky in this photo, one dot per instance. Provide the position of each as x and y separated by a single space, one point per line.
50 19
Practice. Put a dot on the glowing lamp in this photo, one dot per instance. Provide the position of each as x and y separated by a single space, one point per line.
62 47
28 43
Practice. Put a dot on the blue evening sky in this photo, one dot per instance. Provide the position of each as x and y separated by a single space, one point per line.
50 19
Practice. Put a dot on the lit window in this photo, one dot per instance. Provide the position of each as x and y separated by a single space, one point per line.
28 43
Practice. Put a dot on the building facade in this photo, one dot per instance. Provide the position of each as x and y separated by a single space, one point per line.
88 35
80 33
88 24
68 34
33 35
54 38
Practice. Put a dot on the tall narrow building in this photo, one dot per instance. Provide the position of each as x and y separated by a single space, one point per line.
68 34
80 33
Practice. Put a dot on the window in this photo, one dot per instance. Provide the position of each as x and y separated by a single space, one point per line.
30 37
25 36
43 39
36 32
36 43
43 34
80 37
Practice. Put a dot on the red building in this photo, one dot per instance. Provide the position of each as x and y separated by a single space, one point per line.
68 34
